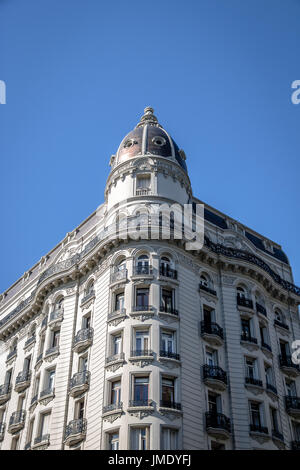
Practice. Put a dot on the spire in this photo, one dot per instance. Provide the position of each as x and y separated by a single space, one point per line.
148 118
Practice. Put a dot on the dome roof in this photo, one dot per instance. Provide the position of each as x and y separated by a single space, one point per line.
149 138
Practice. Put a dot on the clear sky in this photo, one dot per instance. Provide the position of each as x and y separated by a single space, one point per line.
78 75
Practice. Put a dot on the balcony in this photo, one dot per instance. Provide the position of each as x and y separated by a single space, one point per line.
168 355
51 353
23 380
11 355
16 421
118 276
271 388
258 428
292 405
30 342
5 392
281 324
261 309
244 303
141 404
112 411
2 431
168 272
115 361
88 297
141 357
170 405
253 383
79 383
75 431
277 435
247 338
116 317
41 441
266 346
142 312
214 377
212 333
167 310
288 367
218 425
143 271
143 192
83 339
207 289
56 318
295 445
47 395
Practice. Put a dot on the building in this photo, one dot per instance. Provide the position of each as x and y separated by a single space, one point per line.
111 342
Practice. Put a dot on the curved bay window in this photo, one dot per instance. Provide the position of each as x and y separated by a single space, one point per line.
142 266
141 391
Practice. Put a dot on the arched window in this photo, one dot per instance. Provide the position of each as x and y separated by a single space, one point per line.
14 345
121 266
241 292
90 287
279 316
59 305
142 266
32 331
204 281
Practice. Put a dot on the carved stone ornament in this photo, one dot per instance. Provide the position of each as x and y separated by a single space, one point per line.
111 417
46 400
141 413
116 321
228 280
259 437
141 362
168 317
114 366
169 362
88 304
170 414
142 316
51 357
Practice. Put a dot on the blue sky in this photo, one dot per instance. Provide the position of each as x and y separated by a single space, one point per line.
78 75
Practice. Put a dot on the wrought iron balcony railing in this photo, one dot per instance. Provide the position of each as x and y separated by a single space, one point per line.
120 275
83 335
277 435
49 391
281 324
214 372
88 296
253 381
76 426
30 341
168 309
207 289
141 352
286 361
217 421
169 354
113 407
115 357
80 378
17 417
271 387
292 403
53 350
211 328
266 346
143 308
11 354
170 404
140 270
5 389
168 272
140 403
57 315
42 438
247 337
23 376
259 428
261 309
243 302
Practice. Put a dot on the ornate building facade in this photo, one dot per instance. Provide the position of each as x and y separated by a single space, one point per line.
118 342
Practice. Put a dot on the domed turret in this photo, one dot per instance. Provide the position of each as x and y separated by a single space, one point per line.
149 138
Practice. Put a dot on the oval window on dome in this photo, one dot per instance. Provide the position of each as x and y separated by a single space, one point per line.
159 141
130 143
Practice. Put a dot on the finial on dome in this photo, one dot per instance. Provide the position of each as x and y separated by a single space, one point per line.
148 118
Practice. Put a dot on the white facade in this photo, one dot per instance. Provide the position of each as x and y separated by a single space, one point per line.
115 343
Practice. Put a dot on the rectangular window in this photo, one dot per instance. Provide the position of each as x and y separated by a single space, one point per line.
255 414
113 441
30 431
55 339
44 424
86 321
167 391
167 300
141 390
246 329
142 297
169 439
8 376
168 342
274 419
291 388
143 182
115 392
208 316
140 438
142 340
117 344
26 365
214 403
211 357
83 364
119 303
79 409
15 443
251 368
